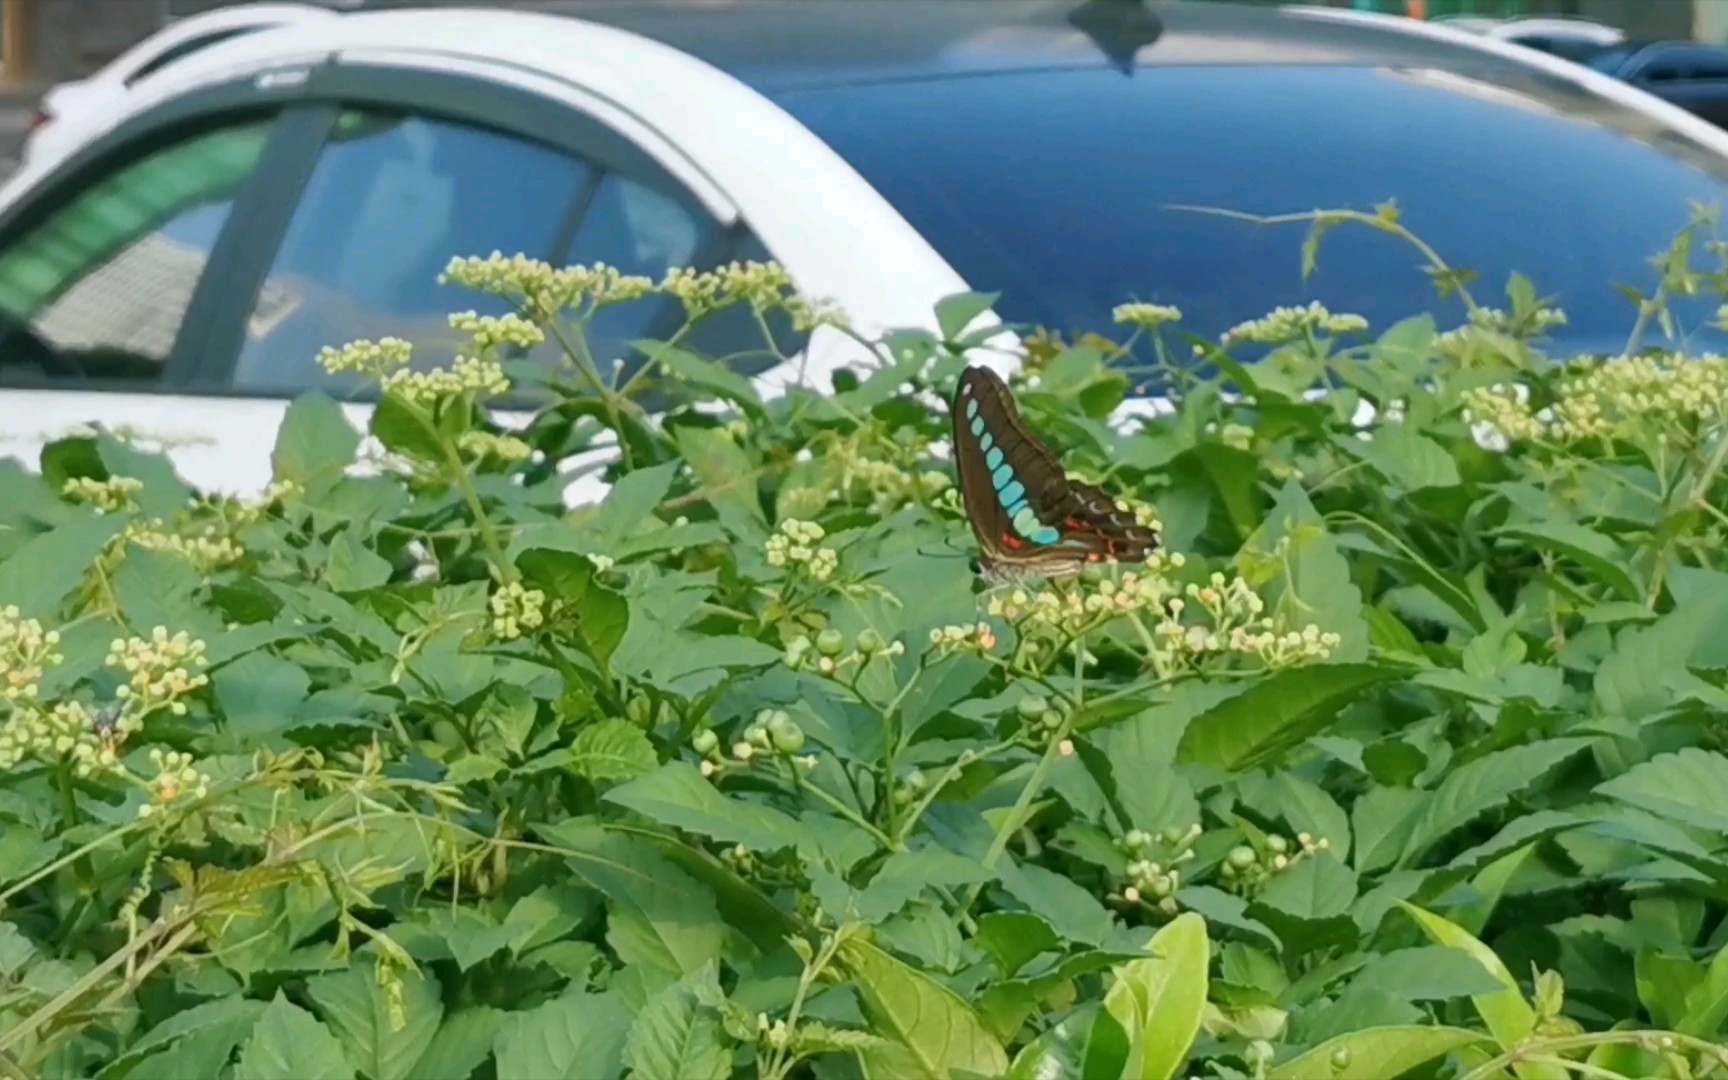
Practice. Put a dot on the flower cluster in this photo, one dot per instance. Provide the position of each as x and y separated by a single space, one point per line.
978 637
1286 324
483 445
1223 617
376 359
890 485
797 545
1146 316
159 670
828 653
771 732
176 778
26 651
761 285
209 549
1456 343
1239 436
515 609
479 375
491 331
111 496
1246 870
1628 397
1156 879
245 512
548 290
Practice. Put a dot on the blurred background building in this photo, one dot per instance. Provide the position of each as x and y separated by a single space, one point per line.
45 41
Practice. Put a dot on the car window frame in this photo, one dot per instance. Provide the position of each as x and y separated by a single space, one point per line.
453 97
185 117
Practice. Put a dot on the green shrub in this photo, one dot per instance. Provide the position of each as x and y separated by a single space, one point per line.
1406 754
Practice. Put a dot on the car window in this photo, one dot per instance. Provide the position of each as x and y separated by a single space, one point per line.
100 287
186 48
392 198
638 230
1065 190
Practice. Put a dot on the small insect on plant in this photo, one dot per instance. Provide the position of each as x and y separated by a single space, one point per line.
1030 519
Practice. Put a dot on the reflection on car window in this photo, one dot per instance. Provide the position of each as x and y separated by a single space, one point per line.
638 230
1062 189
100 288
391 200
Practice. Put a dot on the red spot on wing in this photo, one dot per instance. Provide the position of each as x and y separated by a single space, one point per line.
1013 543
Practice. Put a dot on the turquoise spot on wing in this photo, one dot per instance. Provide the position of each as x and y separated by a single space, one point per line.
985 442
992 458
971 410
1026 523
978 426
1046 535
1013 494
1001 476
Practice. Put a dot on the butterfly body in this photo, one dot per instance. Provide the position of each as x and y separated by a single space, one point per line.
1031 521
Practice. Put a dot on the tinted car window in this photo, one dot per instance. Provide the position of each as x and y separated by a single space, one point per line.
100 288
1059 188
391 200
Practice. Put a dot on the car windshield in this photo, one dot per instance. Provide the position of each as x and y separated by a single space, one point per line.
1612 58
1066 190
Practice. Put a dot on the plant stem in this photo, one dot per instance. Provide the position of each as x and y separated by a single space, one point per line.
1528 1051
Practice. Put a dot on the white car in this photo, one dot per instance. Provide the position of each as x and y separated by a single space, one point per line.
173 270
57 123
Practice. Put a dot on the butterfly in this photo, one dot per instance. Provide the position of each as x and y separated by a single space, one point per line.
1030 519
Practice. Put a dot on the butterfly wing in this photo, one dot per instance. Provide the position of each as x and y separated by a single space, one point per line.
1022 506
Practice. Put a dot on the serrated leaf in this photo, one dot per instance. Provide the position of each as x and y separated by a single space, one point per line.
956 312
39 574
676 1037
288 1043
1478 786
384 1045
676 794
929 1020
1591 550
575 1037
1276 713
315 443
1073 912
1427 973
612 749
1689 786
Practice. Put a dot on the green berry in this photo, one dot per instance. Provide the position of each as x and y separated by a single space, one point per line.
705 742
829 642
1051 719
1031 708
1278 844
758 737
870 641
778 720
1341 1058
789 738
1242 856
916 780
1137 840
1173 836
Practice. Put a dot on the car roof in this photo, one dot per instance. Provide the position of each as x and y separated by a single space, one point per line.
775 45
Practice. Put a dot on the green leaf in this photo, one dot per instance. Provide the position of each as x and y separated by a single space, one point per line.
1376 1054
659 914
1481 785
1305 807
1159 1001
41 572
1632 682
1707 1003
575 1037
399 427
383 1042
728 480
1308 902
288 1043
353 566
1407 458
1689 786
315 443
676 794
164 494
612 749
260 694
462 1042
219 1024
1073 912
710 375
1593 551
928 1019
955 313
1505 1011
1427 973
1276 713
633 498
676 1037
1013 938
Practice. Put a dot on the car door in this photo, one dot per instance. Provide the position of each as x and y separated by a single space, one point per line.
108 268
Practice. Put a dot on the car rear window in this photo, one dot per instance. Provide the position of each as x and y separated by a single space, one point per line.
1060 189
